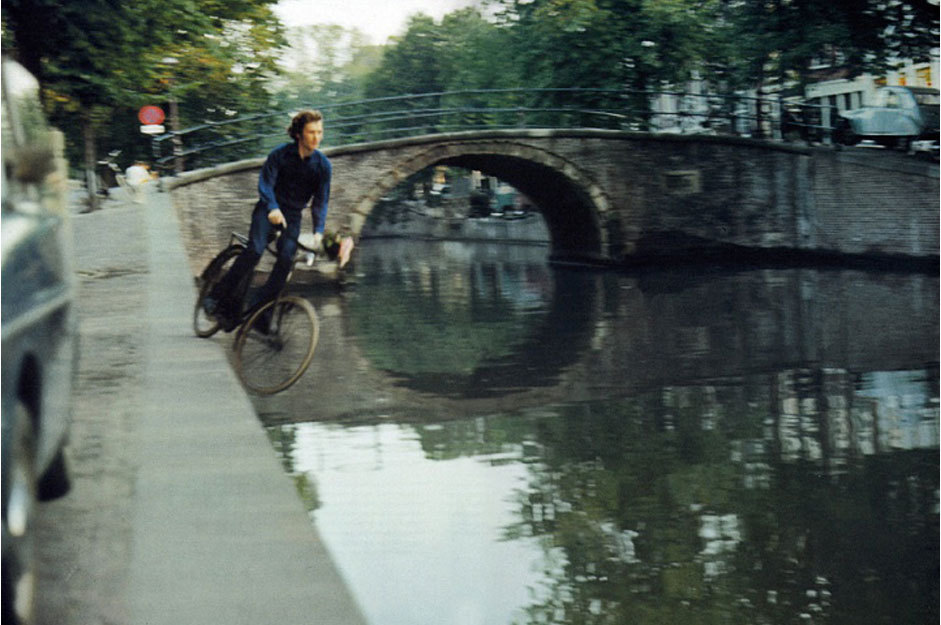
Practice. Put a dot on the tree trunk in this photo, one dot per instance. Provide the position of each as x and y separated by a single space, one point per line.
91 179
177 141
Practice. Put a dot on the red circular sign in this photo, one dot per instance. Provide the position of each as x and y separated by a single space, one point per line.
149 115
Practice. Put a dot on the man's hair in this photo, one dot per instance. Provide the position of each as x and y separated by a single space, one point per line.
302 119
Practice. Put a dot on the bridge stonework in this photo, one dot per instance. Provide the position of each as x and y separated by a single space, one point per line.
621 198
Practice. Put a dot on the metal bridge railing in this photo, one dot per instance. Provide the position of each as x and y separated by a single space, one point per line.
361 121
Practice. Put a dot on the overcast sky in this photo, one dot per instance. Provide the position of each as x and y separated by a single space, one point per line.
379 19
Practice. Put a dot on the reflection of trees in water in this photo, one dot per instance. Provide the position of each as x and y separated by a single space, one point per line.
689 504
284 441
479 330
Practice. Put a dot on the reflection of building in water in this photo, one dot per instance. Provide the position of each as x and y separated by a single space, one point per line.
898 407
825 415
835 415
783 431
721 534
798 411
752 455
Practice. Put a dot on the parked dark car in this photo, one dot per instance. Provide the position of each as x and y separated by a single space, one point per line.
38 329
898 117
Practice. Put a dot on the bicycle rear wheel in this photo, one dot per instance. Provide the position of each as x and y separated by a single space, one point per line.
271 360
204 325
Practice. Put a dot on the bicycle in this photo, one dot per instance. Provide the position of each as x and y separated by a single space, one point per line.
109 176
267 359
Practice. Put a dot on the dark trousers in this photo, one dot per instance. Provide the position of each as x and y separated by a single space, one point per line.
230 291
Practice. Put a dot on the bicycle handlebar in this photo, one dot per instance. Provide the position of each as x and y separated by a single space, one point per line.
346 247
241 238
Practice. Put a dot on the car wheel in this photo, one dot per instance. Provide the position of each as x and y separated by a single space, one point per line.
844 134
19 574
55 481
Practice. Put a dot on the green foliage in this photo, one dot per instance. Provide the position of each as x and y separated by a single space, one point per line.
476 54
325 64
463 52
780 39
610 43
100 60
410 65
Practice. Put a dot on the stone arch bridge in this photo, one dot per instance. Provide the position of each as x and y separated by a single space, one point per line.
621 198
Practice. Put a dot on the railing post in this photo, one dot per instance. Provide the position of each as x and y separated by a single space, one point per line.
777 131
733 118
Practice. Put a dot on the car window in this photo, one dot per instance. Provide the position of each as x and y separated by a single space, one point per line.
927 99
23 119
28 147
887 98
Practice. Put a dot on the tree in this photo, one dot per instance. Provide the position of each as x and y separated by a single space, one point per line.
97 60
411 63
635 45
326 63
476 54
780 40
476 59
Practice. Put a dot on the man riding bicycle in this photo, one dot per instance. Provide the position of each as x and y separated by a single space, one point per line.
293 175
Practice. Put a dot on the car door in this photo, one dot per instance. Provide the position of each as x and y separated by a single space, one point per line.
888 105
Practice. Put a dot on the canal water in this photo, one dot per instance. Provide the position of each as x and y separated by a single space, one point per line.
485 439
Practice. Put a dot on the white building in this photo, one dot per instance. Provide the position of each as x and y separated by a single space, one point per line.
851 94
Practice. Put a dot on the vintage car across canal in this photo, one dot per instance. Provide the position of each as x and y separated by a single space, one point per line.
898 117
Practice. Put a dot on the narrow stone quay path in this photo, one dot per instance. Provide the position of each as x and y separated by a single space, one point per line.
180 512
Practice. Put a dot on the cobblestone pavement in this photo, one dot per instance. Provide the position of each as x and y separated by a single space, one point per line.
84 538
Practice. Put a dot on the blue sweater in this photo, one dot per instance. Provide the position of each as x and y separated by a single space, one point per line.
288 182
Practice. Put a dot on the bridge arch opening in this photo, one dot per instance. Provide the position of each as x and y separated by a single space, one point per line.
572 206
568 209
448 202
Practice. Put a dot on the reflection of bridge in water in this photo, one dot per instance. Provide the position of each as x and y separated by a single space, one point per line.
788 346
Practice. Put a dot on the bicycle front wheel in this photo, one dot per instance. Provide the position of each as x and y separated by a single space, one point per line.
276 344
204 325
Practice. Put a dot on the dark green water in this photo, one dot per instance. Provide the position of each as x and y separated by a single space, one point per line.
486 440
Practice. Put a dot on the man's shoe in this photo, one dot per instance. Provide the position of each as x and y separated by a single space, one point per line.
222 312
210 305
219 313
262 324
227 321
